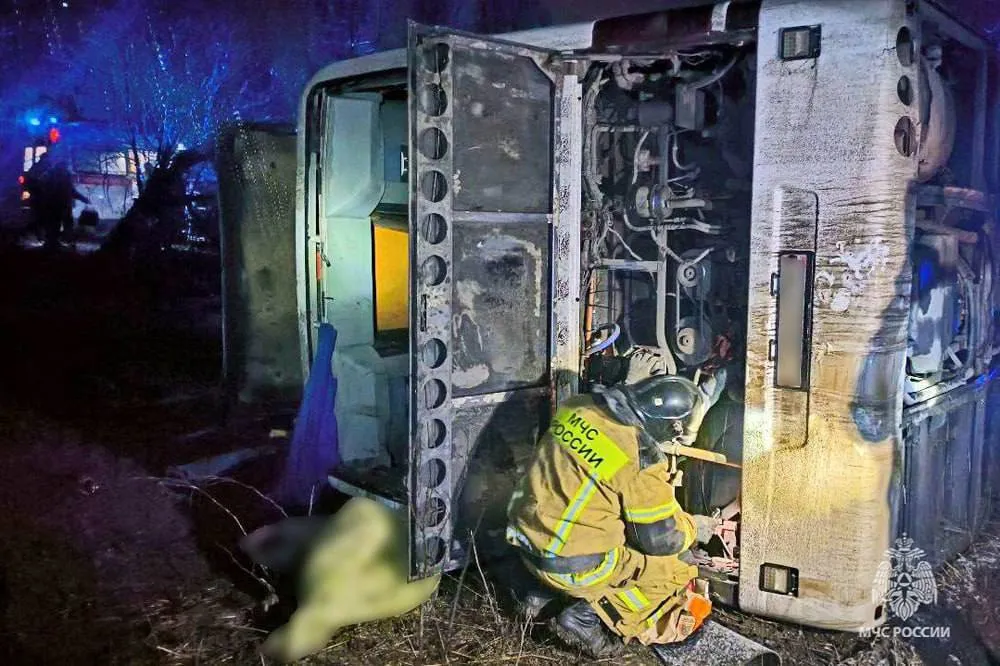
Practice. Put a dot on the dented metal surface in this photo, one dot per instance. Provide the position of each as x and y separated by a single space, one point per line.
500 307
491 440
502 107
868 469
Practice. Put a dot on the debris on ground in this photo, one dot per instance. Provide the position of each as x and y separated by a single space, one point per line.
801 645
215 466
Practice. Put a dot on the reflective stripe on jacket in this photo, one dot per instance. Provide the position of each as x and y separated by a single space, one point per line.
585 492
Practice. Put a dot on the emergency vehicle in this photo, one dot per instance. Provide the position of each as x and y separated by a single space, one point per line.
104 170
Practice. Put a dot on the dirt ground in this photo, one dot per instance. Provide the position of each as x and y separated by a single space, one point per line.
104 560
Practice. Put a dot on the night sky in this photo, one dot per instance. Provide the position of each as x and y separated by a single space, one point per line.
188 65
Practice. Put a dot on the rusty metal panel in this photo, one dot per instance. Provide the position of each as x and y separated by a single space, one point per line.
500 306
480 206
493 435
260 319
503 117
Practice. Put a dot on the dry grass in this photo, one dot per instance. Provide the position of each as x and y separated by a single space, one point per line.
215 628
210 630
970 585
959 581
465 622
470 621
211 627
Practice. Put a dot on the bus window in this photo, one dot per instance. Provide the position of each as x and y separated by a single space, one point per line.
391 261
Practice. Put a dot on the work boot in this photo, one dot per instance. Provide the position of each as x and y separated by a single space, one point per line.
530 596
533 601
579 626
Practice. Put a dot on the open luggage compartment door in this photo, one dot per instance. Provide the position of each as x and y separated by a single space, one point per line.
480 208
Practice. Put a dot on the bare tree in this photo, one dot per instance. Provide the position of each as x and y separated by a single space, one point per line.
162 81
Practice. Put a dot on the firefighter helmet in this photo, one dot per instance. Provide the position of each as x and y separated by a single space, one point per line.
672 407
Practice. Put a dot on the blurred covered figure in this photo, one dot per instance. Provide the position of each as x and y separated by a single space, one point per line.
63 195
51 189
351 567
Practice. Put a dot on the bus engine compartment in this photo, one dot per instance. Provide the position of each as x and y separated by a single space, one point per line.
667 173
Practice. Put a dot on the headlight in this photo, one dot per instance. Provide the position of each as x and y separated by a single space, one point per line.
779 579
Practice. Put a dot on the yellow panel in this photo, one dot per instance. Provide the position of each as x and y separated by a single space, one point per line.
392 271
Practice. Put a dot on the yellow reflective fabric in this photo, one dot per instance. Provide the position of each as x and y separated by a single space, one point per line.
575 498
591 448
652 514
636 585
572 512
562 504
686 525
595 576
633 598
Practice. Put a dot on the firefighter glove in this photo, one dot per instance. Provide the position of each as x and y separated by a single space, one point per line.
644 363
706 527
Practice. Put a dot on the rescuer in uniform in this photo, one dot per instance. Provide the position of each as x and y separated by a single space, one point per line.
595 516
50 186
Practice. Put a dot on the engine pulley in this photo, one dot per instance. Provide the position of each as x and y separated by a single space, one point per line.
657 202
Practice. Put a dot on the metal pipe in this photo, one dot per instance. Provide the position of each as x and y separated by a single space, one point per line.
635 156
661 304
588 312
717 76
628 265
967 237
589 158
676 160
604 127
601 345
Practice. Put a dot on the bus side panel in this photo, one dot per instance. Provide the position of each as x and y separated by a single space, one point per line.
261 357
831 186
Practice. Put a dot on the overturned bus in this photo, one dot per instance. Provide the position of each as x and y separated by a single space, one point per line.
801 191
